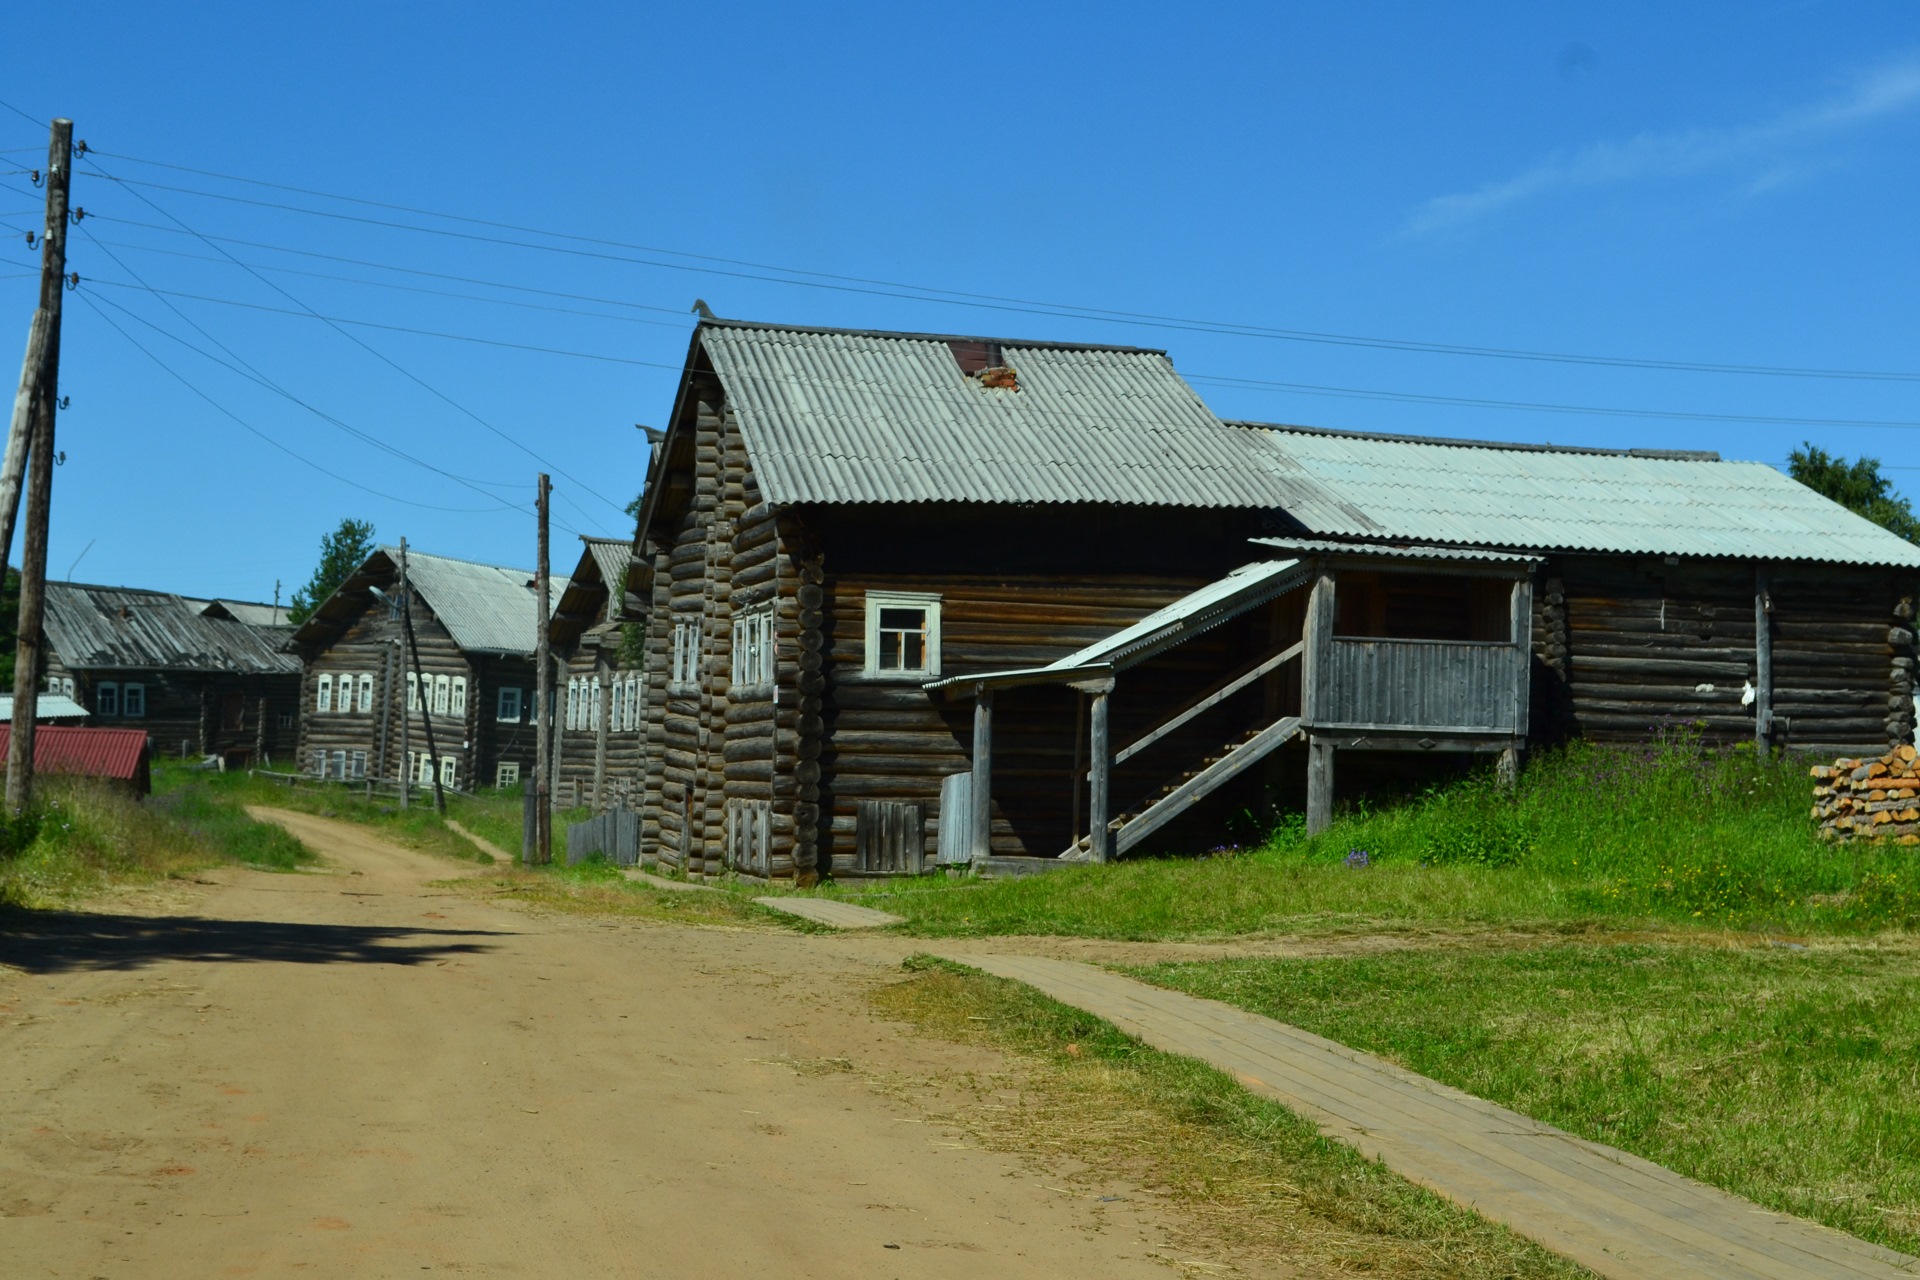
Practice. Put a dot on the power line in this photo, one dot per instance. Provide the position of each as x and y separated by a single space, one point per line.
383 358
334 475
928 293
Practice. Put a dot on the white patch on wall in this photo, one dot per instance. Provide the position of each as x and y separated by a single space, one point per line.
1703 688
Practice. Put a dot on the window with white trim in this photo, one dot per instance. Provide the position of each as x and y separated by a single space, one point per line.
106 698
365 702
507 708
617 714
753 653
320 762
413 691
684 675
507 774
339 765
449 770
359 765
442 690
636 690
568 708
903 634
593 706
323 695
459 701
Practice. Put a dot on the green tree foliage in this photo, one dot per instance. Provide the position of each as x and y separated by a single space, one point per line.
341 552
9 627
1858 486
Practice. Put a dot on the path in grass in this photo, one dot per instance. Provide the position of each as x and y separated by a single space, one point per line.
1621 1217
1785 1074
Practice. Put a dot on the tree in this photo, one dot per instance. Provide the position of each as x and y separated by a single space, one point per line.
1858 486
341 552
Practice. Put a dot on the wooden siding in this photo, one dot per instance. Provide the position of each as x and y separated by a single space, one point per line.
246 719
1422 684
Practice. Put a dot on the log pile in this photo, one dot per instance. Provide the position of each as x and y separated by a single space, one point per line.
1870 799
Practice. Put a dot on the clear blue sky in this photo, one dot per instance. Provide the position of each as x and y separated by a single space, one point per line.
1711 183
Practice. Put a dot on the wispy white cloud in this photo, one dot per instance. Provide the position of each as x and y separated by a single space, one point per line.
1885 91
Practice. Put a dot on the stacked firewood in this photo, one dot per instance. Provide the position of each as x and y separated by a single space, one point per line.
1874 799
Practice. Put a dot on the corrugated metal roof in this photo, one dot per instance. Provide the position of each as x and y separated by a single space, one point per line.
49 706
1549 499
89 753
1191 614
1403 550
610 557
253 613
486 608
838 416
99 628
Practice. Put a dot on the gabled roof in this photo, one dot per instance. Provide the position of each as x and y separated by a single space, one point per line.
602 568
486 608
1478 493
251 612
846 416
126 628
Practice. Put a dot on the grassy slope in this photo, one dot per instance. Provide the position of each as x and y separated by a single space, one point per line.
416 827
1788 1076
1667 833
83 838
1243 1173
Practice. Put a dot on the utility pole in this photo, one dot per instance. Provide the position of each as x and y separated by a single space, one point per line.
542 701
33 559
406 712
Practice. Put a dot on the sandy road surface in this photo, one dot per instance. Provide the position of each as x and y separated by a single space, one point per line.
355 1074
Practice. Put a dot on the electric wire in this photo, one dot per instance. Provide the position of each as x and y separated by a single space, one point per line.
383 358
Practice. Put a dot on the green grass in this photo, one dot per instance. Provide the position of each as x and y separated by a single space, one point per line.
1791 1077
1666 834
1244 1175
82 838
416 827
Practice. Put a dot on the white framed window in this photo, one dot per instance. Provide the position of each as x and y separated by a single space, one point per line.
323 695
752 667
617 714
413 691
133 700
365 702
320 762
685 672
572 709
593 706
339 766
633 704
459 701
449 771
423 769
442 690
507 774
106 698
903 634
507 708
359 765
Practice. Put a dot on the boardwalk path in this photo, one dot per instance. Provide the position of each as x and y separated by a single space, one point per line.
1612 1212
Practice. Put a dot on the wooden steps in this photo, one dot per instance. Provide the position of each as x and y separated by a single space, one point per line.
1196 786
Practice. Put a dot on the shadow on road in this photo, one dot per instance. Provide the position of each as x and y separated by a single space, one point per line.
43 942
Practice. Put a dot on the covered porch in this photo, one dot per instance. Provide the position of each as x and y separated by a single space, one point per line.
1347 647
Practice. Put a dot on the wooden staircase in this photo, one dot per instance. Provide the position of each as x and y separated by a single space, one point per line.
1176 798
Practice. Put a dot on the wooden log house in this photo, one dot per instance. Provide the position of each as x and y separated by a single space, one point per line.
910 599
365 710
190 673
599 715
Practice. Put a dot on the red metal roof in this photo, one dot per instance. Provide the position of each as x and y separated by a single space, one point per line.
93 753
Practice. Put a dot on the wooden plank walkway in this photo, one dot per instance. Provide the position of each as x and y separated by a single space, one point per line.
661 882
838 915
1619 1215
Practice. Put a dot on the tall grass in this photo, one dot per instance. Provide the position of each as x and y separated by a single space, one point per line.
1667 831
81 837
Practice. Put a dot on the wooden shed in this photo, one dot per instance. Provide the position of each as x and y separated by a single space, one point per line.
909 599
196 679
365 711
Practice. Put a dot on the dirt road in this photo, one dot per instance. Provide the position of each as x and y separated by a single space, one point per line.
353 1073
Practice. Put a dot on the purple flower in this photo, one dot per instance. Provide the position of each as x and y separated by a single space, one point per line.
1358 858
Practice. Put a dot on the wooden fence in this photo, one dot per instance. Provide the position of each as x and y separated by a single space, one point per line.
614 834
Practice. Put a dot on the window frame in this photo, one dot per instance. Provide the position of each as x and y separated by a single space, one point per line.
413 691
449 771
753 663
363 700
929 603
683 676
103 692
323 694
133 700
506 774
500 696
457 699
442 692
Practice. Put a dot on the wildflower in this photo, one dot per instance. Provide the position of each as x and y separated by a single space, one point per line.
1358 858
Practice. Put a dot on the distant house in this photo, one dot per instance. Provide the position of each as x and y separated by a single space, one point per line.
118 757
912 599
598 712
197 679
475 625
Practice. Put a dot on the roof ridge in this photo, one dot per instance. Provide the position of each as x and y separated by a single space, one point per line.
394 549
910 336
1455 442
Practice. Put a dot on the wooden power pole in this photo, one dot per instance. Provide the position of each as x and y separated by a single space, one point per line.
406 712
44 400
542 700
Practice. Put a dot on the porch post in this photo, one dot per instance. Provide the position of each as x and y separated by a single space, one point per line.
1762 659
1319 785
982 787
1099 839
